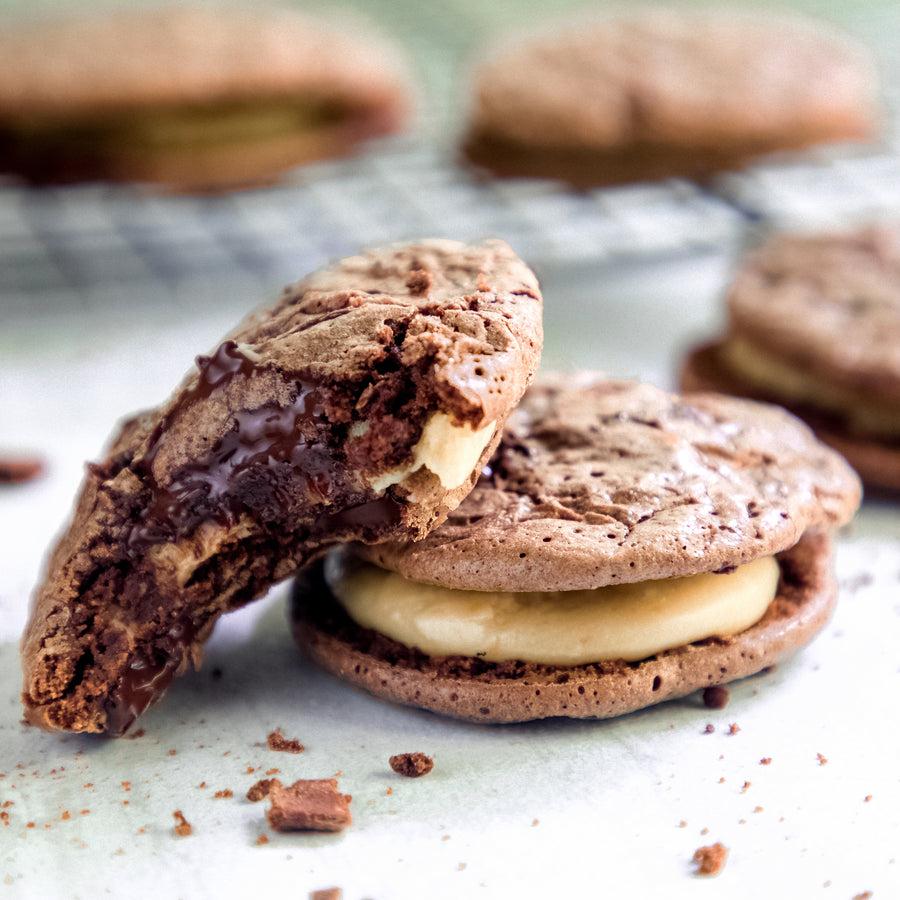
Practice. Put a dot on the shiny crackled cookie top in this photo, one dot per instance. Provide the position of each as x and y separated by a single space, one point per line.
601 482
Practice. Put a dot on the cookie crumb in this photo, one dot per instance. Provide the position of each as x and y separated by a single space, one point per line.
758 809
277 741
261 789
182 828
710 860
867 798
412 765
273 771
704 831
334 893
137 734
460 867
734 728
419 282
766 761
709 729
745 787
262 839
683 823
20 469
823 760
716 697
389 791
224 794
172 752
535 823
309 805
202 785
865 895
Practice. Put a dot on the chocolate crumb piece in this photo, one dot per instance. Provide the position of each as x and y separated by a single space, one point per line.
173 752
460 867
746 787
19 469
734 728
277 741
766 761
419 282
758 809
261 789
137 734
710 860
4 818
202 785
334 893
865 895
389 791
710 728
683 823
867 798
273 771
822 759
182 828
262 839
704 831
309 805
412 765
223 794
716 697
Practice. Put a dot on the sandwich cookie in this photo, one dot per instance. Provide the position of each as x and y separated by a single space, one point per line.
194 98
625 546
814 324
666 93
362 406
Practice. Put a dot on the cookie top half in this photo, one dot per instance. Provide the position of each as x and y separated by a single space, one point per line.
829 303
103 63
601 482
678 78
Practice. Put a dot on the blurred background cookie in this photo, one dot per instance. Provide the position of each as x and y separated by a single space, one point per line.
194 98
814 324
667 93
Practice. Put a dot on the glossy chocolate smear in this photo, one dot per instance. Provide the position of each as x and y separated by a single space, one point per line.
268 439
147 677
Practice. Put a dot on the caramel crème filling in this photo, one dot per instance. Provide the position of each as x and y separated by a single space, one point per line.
788 382
564 628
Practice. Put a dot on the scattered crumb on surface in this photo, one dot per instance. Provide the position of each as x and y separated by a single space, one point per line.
249 770
262 839
710 860
683 823
758 809
273 771
332 893
445 837
85 812
182 828
20 469
716 697
4 818
224 794
823 760
865 895
746 786
277 741
137 734
460 867
172 752
867 798
766 761
389 791
535 823
734 728
704 831
411 765
202 785
261 789
309 805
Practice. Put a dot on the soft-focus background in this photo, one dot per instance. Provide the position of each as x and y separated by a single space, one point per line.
107 294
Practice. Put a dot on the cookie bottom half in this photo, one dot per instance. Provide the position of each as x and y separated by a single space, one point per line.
876 461
473 689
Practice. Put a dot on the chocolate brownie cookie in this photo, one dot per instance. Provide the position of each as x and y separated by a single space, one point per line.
666 93
195 98
362 405
814 324
625 546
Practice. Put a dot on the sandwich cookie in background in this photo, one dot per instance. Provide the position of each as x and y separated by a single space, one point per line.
814 325
625 546
363 405
666 93
193 98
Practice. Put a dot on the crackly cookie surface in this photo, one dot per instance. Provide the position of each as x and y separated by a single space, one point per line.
326 418
666 92
600 482
191 96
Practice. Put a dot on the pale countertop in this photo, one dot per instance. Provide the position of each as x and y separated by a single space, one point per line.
550 809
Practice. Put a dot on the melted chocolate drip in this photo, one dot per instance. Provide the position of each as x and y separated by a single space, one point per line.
267 438
146 679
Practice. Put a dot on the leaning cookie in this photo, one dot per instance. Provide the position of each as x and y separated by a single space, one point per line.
362 406
666 93
194 98
625 546
814 325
